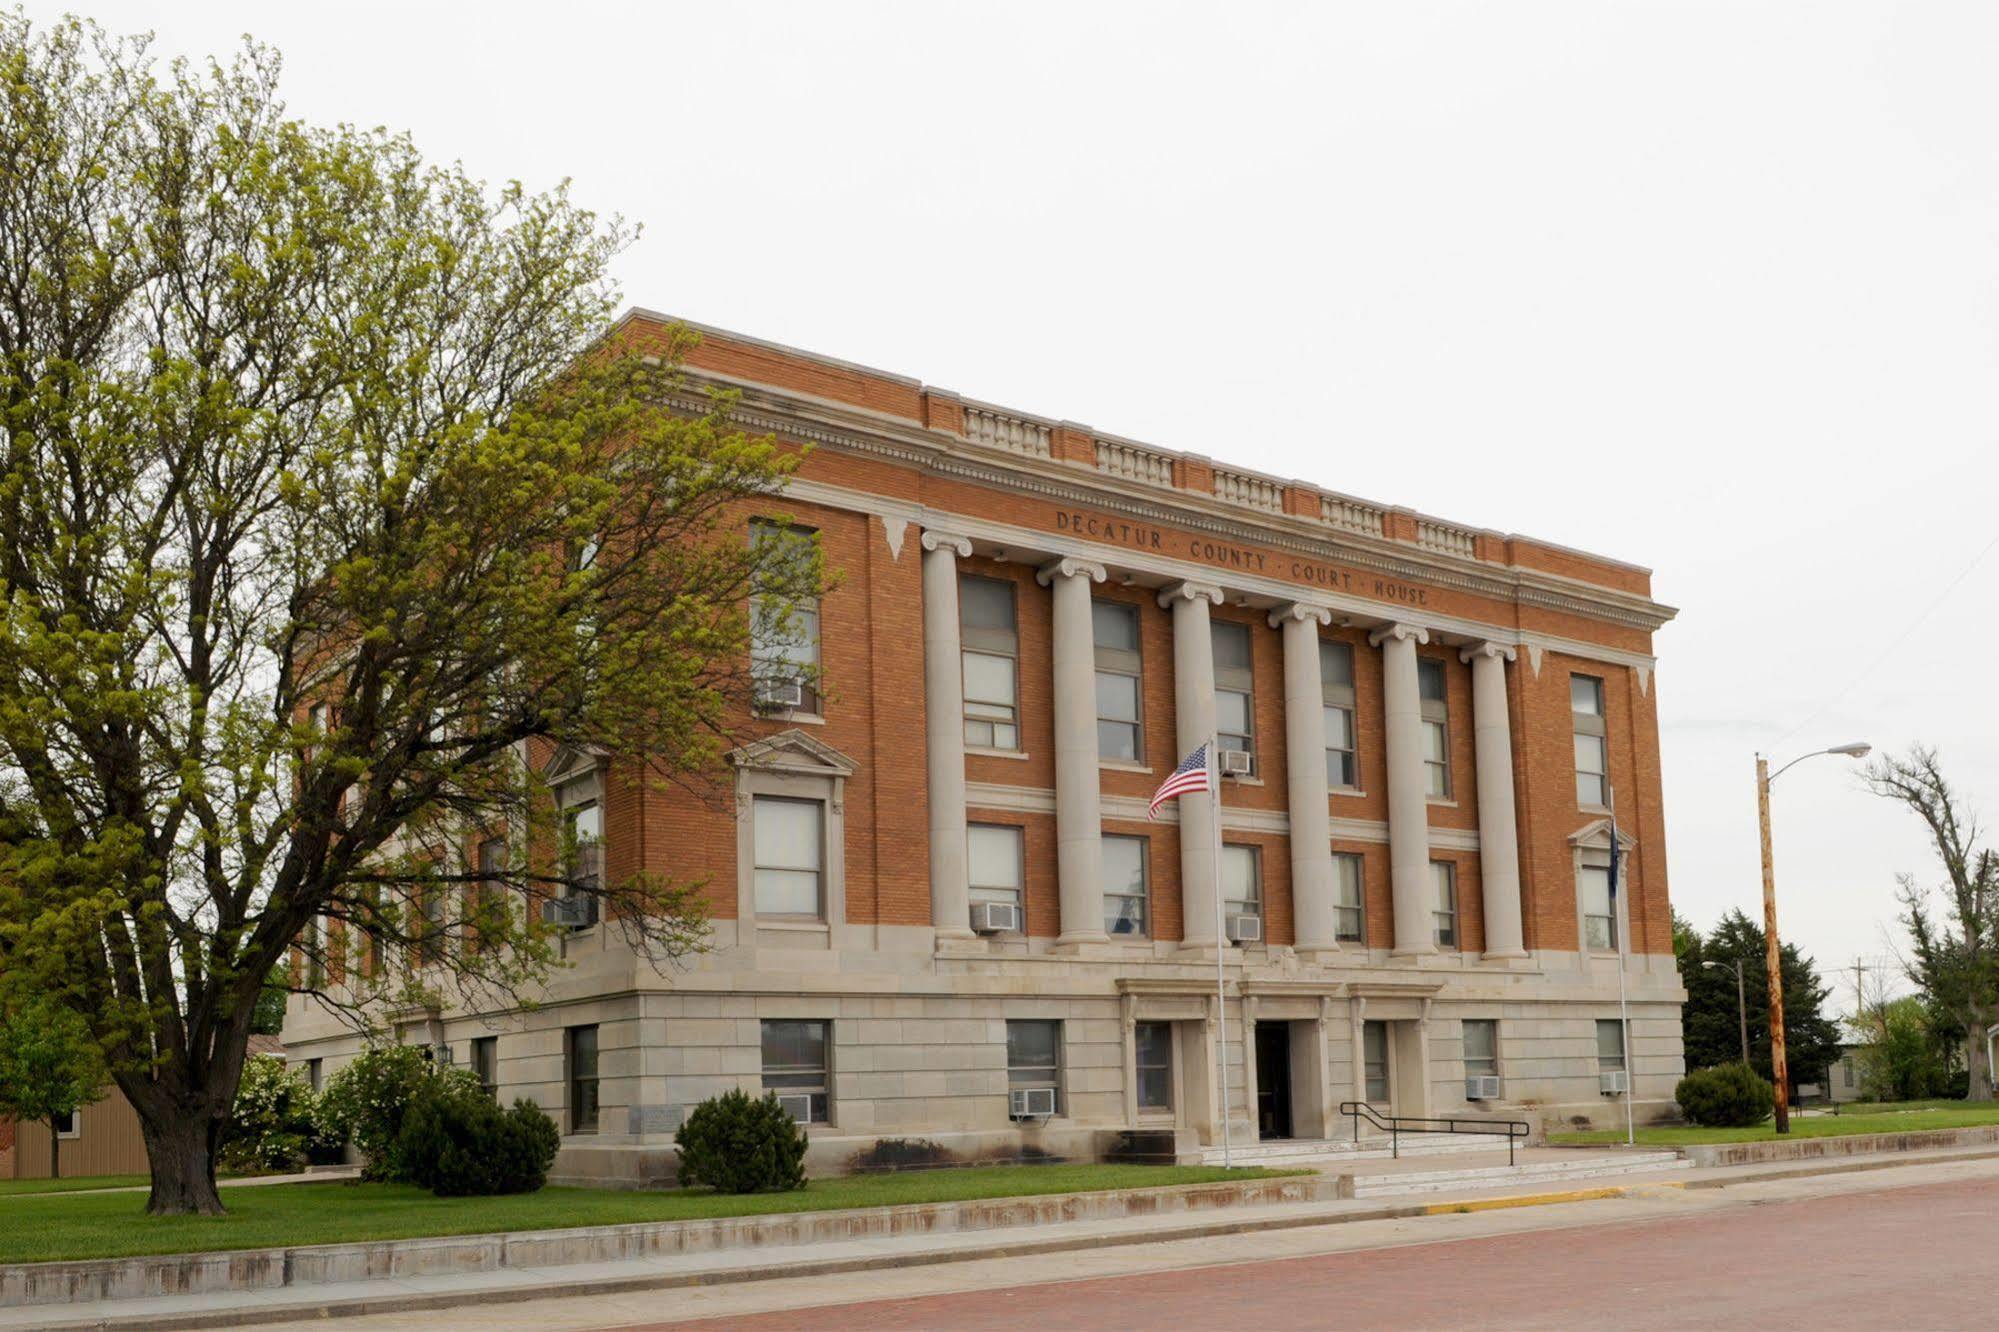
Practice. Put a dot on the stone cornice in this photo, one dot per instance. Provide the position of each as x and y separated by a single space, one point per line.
840 425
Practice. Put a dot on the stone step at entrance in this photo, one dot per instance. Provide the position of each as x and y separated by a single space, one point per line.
1292 1151
1603 1166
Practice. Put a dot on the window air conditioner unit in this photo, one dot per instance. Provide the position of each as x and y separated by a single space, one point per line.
1245 929
573 913
798 1106
995 918
780 695
1482 1087
1237 763
1615 1084
1033 1102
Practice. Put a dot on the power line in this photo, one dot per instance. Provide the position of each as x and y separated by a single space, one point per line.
1889 651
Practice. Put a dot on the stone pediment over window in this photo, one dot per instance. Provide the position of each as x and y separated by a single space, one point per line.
568 762
1595 836
794 751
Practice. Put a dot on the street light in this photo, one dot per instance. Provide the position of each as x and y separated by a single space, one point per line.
1772 958
1741 1003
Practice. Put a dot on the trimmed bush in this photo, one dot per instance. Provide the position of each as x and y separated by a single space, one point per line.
1731 1096
273 1121
461 1145
366 1102
736 1143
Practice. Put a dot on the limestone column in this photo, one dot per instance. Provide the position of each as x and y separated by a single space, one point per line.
1079 824
1408 805
1305 762
1194 711
944 735
1498 837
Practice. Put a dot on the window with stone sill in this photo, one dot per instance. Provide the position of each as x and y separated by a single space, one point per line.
1609 1045
989 652
1599 911
1120 689
1034 1058
1126 910
1242 881
1444 879
1154 1059
486 1064
1481 1039
1592 743
994 860
784 635
1349 898
1374 1061
1436 728
581 1057
1336 690
795 1063
790 844
1235 700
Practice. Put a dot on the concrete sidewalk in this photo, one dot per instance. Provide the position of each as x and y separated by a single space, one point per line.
402 1296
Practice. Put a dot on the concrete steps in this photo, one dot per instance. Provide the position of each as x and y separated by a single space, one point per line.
1316 1151
1529 1172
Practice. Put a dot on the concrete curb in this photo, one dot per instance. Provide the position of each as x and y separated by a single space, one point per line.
1715 1154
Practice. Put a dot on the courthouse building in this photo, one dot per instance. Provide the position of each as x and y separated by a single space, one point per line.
940 910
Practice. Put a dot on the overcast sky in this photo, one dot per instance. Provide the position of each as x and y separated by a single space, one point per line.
1707 287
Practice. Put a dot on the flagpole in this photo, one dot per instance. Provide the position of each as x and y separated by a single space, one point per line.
1623 929
1221 942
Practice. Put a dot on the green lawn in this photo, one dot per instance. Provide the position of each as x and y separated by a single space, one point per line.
1958 1115
81 1183
110 1225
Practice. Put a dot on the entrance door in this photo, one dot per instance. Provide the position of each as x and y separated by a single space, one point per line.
1273 1080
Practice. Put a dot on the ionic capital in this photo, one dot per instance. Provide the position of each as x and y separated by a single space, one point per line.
1190 591
1488 648
1300 610
1069 567
937 539
1415 633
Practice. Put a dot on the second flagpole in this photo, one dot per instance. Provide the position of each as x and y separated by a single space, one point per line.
1221 941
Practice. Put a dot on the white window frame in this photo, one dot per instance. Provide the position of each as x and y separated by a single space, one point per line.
1368 1065
1003 645
1235 680
1621 1062
1443 882
789 1077
1014 893
1339 698
1596 867
75 1129
1358 909
1237 854
1465 1028
1124 664
1437 775
1144 894
1592 729
1022 1077
1138 1069
790 652
793 765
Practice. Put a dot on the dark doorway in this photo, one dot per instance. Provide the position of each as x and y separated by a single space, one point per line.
1273 1080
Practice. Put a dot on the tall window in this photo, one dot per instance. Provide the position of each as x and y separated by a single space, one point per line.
790 837
1349 914
315 1074
784 637
1234 692
1609 1045
1481 1047
1125 911
486 1064
492 887
1242 881
315 953
794 1063
436 914
1444 875
994 856
1336 690
584 824
1599 914
1034 1058
1374 1060
582 1060
991 653
1155 1065
1436 728
1120 728
1592 742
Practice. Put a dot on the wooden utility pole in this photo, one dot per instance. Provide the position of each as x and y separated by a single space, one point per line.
1772 954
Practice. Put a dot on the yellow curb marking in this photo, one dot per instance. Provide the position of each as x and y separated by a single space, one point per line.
1543 1199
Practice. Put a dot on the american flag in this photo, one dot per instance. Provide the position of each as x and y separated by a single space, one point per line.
1191 775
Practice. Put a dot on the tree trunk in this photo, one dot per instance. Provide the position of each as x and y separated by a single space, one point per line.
55 1150
1975 1064
180 1150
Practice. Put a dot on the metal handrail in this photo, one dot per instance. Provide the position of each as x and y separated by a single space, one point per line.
1397 1125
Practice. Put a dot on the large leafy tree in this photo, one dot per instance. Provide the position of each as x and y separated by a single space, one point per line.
1955 947
1710 1027
325 515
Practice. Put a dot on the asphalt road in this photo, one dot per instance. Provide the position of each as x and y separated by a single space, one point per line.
1905 1257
